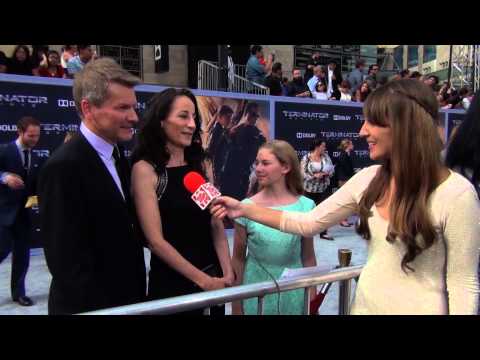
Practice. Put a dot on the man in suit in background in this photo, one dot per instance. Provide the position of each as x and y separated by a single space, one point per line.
355 78
18 174
333 79
86 212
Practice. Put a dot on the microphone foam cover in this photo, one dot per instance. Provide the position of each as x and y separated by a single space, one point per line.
192 181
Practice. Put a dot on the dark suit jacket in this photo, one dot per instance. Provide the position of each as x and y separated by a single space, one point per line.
293 88
344 166
12 200
95 259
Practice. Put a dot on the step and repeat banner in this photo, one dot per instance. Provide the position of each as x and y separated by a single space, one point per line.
300 124
234 126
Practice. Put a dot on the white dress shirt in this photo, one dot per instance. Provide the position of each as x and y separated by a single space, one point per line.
105 151
330 85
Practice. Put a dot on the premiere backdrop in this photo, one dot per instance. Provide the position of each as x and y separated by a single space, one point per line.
297 121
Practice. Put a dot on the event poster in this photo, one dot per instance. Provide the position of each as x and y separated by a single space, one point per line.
232 132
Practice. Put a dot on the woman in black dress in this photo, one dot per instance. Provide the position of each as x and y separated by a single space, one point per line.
189 248
344 168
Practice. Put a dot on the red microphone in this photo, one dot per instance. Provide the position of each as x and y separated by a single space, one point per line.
203 192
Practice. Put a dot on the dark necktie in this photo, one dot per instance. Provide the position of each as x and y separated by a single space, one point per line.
26 160
120 172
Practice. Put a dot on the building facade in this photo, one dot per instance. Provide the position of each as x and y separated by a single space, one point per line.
431 59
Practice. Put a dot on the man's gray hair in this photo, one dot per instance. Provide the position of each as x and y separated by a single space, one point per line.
92 82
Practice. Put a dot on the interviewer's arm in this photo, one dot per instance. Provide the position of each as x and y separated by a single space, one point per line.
340 205
343 203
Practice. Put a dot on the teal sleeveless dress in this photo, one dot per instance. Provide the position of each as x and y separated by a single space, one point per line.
271 251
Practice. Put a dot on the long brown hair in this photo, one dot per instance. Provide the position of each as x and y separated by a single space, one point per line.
410 109
286 155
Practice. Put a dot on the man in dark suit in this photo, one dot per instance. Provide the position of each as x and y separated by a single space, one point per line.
18 174
274 80
86 212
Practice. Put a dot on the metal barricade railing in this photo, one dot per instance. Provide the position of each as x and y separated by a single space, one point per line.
209 73
243 85
259 290
240 70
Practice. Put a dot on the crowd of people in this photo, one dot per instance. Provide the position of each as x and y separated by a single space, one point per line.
42 61
326 82
418 212
318 81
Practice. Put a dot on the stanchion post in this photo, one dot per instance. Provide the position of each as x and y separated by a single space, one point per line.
344 258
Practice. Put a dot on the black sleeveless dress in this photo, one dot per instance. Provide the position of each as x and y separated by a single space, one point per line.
188 229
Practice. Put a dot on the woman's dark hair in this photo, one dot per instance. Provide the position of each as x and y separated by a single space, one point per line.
464 149
320 83
27 52
415 75
316 143
152 141
364 95
52 52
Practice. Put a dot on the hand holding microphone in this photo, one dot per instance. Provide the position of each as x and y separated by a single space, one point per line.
204 194
226 206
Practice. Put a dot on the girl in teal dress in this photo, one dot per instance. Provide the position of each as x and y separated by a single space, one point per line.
261 252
